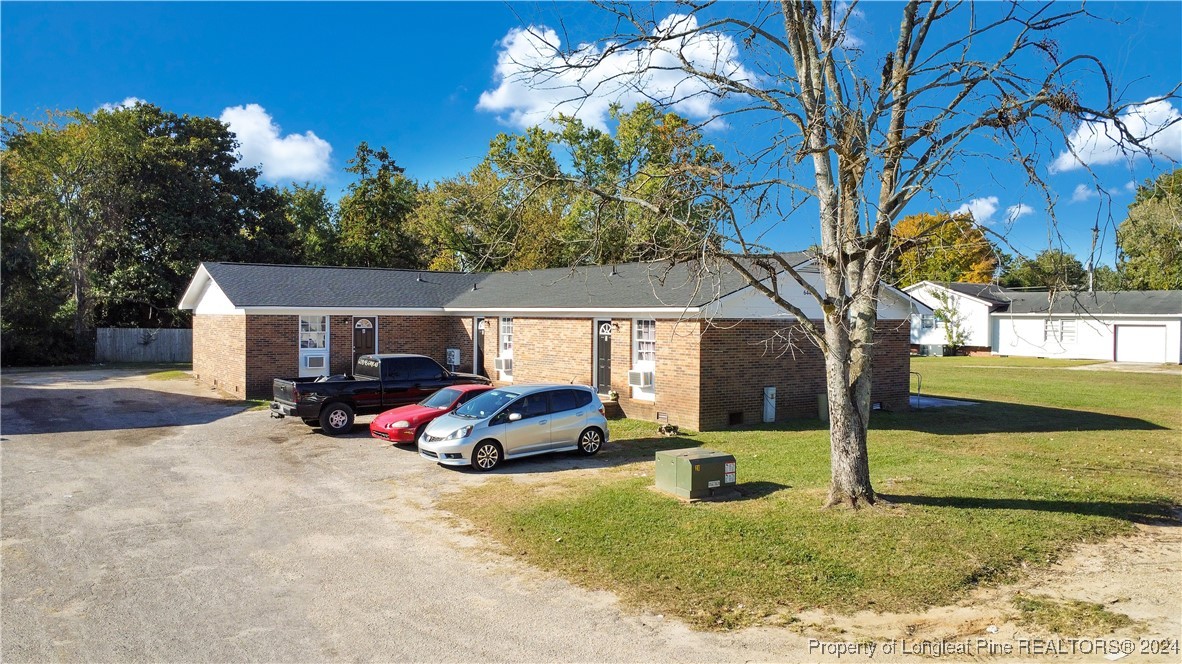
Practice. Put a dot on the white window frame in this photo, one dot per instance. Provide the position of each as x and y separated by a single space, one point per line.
505 343
307 355
1067 331
644 331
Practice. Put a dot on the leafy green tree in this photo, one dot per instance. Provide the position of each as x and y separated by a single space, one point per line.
188 201
1051 269
1150 238
942 247
106 215
62 181
606 196
374 213
314 221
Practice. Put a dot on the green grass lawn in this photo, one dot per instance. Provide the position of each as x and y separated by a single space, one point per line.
1049 457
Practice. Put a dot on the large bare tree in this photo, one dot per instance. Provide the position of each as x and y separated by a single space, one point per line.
827 126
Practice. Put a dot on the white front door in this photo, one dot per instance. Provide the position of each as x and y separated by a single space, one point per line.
313 346
1141 343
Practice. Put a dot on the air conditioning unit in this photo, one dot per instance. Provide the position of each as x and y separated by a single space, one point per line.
932 350
504 364
640 378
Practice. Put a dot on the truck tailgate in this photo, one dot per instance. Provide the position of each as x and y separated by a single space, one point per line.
284 390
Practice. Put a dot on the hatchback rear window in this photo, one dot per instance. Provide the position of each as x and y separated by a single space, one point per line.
561 400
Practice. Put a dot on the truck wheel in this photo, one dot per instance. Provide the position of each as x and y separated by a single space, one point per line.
336 419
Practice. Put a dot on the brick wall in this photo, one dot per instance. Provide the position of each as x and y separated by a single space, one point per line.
272 351
219 352
556 350
740 358
552 350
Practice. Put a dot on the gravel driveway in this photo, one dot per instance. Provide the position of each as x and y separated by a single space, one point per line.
147 520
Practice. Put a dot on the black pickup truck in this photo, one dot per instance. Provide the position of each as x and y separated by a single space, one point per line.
381 382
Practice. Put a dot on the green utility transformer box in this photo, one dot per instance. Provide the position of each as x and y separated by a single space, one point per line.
695 473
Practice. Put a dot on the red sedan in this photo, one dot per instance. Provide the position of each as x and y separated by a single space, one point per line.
403 425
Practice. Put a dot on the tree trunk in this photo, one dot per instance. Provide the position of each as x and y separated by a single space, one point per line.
849 410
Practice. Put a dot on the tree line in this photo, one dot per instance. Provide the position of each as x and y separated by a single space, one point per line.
106 216
953 247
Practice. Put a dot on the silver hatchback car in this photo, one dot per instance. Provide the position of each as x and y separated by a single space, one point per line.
517 421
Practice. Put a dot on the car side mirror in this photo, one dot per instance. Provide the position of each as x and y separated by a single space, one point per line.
513 417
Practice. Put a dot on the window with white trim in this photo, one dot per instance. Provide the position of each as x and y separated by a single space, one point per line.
1067 331
505 344
313 331
928 322
645 341
506 336
1062 330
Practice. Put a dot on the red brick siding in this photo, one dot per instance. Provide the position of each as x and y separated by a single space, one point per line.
740 358
219 352
340 344
272 351
552 350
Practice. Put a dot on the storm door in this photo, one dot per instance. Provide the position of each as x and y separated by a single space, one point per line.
603 356
365 337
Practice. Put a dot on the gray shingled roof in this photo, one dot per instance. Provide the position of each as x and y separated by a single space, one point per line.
1129 303
631 285
989 292
259 285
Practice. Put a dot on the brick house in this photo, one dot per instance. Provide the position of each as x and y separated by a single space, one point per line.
699 351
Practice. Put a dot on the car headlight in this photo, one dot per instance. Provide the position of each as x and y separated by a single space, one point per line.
400 424
462 432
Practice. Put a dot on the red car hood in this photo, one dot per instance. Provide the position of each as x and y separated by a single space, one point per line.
414 413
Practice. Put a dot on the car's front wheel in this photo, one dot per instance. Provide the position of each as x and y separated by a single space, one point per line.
336 419
590 441
486 455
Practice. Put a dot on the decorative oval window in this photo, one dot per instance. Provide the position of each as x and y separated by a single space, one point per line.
363 324
605 330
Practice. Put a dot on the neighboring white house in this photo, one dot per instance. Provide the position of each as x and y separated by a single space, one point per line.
972 302
1125 326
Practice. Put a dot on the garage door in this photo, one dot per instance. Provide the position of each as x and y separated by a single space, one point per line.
1141 343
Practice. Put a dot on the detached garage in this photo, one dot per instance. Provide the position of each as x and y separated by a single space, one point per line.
1128 326
1141 343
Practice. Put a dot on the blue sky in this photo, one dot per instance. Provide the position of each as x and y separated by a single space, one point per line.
411 76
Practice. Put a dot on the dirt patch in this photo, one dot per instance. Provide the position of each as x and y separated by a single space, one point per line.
1134 576
1131 367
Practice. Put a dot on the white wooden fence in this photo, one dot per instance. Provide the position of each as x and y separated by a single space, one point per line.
137 344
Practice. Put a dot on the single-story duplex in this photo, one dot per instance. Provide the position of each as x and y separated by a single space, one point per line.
1122 326
697 352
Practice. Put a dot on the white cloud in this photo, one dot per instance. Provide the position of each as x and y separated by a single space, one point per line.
848 38
535 80
1083 193
1014 212
1098 142
1130 186
982 209
126 103
292 157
